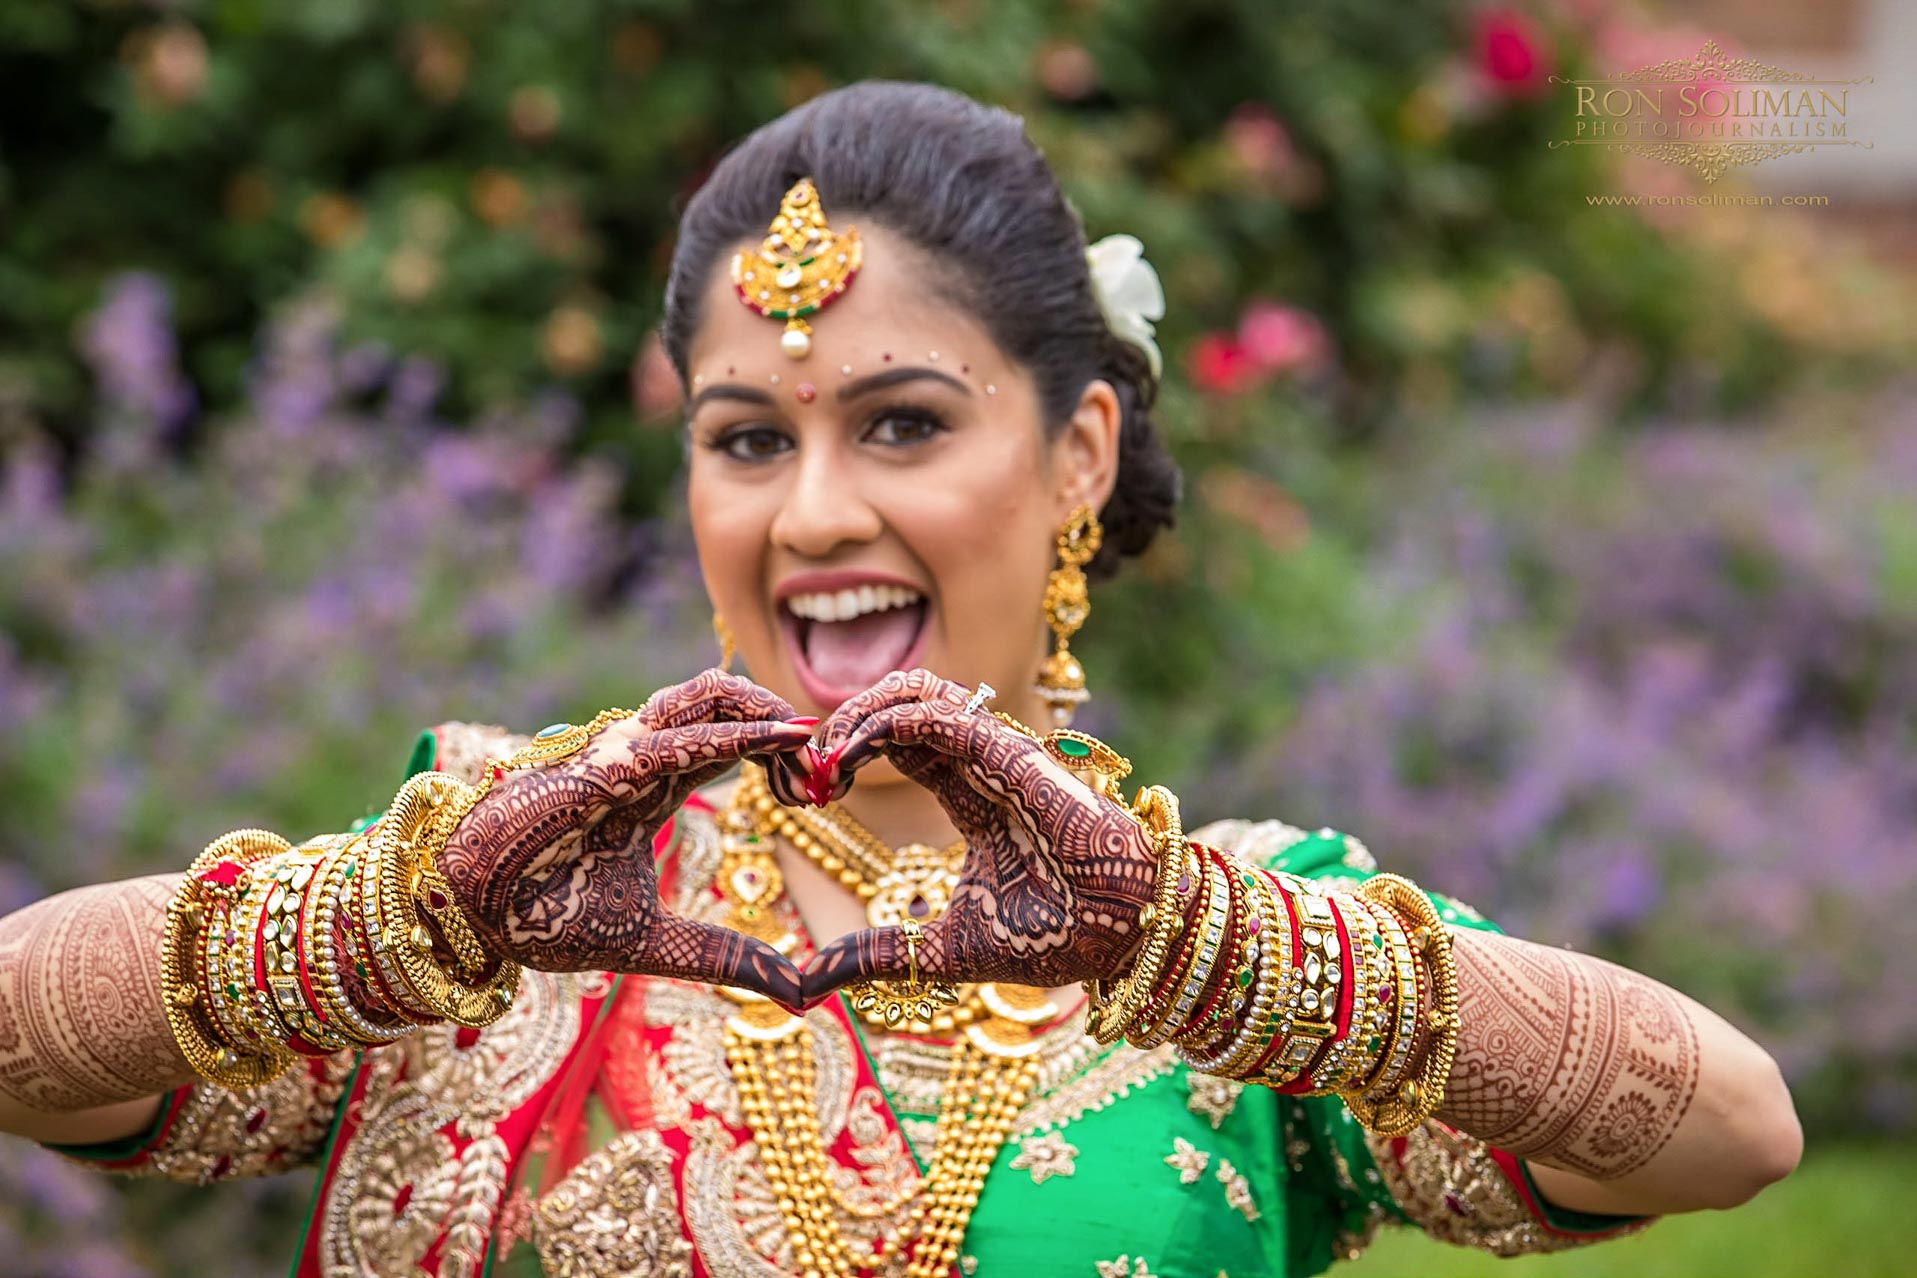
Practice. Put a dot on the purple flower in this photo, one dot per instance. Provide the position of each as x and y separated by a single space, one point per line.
129 344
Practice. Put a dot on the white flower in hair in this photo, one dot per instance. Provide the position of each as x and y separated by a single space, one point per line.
1128 292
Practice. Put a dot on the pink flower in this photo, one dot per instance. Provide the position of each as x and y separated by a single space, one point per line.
1280 338
1221 365
1511 53
1257 139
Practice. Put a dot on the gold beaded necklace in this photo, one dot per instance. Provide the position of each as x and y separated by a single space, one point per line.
993 1069
915 881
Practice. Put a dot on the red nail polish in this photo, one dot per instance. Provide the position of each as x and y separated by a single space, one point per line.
804 720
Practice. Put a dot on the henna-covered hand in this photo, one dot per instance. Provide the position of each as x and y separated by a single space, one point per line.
554 865
1054 874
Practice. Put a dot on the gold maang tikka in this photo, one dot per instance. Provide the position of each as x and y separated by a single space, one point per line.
1061 680
801 267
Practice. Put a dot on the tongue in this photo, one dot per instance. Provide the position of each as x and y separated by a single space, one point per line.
858 653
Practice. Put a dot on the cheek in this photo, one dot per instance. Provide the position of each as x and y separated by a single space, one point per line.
979 531
729 530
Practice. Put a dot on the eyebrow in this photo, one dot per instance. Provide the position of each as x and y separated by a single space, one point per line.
851 390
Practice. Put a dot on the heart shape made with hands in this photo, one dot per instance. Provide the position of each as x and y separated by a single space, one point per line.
1055 873
552 865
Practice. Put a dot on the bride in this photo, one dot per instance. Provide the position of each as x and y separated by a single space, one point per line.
865 963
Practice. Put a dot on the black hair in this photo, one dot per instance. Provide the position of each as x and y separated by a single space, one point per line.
962 182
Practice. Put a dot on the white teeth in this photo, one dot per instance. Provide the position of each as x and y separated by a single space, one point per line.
843 605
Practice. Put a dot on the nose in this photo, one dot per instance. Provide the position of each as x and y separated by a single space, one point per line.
824 508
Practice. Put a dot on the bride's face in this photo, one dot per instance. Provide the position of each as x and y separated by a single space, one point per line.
888 501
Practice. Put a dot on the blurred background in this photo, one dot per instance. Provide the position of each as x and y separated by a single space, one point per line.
1564 552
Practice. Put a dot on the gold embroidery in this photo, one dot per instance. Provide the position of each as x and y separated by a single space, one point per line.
256 1131
1451 1187
1046 1156
1123 1267
465 747
730 1209
1263 843
1237 1189
1212 1098
399 1185
1109 1079
695 1059
1188 1159
611 1217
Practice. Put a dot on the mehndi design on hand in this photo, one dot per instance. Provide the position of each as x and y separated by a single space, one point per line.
1054 874
555 867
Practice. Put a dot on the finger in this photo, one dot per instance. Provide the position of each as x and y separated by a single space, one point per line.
896 688
690 951
937 725
712 696
703 751
785 773
876 954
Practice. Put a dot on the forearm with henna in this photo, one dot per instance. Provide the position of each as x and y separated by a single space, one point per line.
1567 1059
81 1020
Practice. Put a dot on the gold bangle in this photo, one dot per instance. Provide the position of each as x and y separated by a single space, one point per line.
474 1004
327 903
1112 1014
432 892
185 916
1416 1100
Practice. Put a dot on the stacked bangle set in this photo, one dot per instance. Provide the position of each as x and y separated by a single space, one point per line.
273 952
1252 974
1266 977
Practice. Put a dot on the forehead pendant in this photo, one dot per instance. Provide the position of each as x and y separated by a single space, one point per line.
799 268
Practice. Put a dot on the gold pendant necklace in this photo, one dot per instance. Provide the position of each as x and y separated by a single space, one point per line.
994 1066
915 881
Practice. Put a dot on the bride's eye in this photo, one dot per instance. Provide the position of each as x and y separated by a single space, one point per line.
905 425
751 443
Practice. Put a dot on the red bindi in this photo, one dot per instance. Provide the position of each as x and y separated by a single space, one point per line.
806 392
888 357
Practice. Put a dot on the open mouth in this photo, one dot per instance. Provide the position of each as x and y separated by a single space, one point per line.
843 641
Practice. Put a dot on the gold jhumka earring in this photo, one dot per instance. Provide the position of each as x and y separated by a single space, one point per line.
1061 680
801 267
723 633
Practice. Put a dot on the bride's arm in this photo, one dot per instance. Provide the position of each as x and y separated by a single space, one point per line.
85 1051
1622 1095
